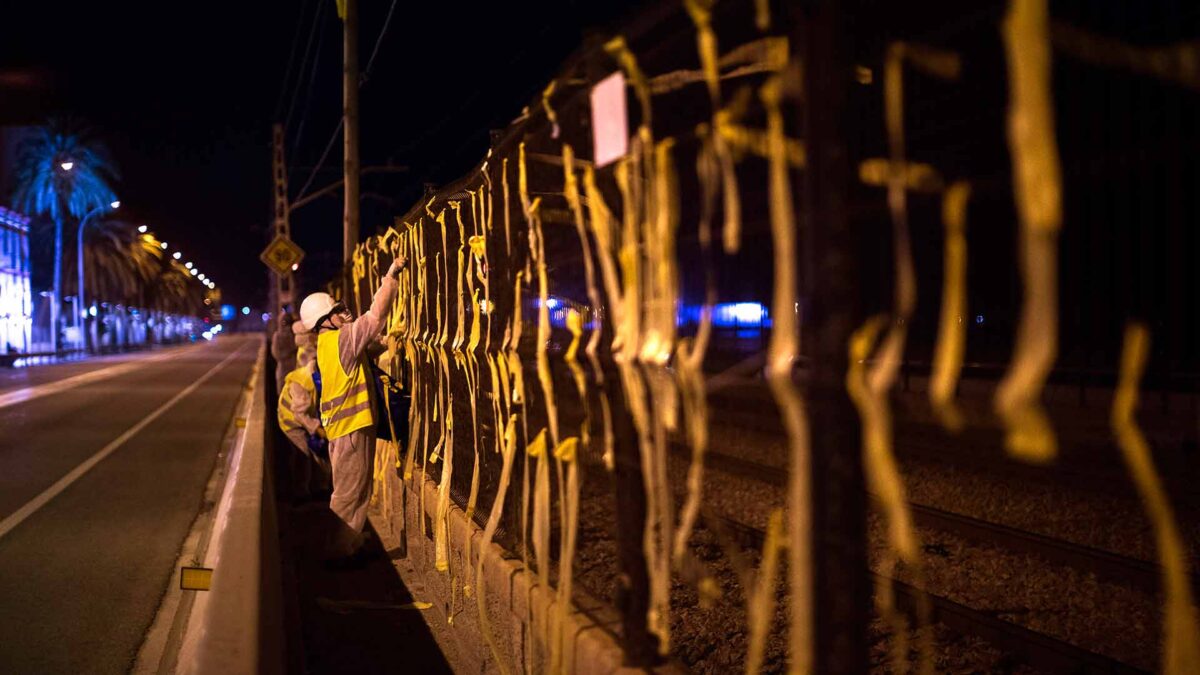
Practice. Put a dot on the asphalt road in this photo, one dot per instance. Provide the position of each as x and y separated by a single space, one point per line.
100 482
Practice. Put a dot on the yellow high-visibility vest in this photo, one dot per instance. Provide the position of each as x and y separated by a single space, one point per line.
345 399
287 419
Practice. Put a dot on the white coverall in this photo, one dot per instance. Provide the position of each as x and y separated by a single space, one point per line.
283 350
352 455
304 408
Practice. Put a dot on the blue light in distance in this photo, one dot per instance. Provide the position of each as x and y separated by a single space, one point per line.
738 314
245 310
228 312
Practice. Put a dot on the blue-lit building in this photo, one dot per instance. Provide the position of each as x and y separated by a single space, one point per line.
16 307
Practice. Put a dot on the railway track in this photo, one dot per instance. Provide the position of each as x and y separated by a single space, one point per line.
1036 649
1140 574
1091 463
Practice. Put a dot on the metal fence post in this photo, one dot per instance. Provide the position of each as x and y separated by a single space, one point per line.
842 591
629 495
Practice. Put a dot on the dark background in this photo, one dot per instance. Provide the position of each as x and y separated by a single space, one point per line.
184 95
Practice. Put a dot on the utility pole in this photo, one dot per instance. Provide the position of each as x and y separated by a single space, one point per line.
350 126
283 282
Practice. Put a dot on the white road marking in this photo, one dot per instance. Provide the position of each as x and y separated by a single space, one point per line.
63 483
31 393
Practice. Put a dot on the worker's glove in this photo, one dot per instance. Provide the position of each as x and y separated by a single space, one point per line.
397 265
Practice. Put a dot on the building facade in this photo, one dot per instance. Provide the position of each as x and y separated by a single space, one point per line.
16 308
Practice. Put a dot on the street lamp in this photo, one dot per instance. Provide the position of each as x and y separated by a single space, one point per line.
67 166
142 229
113 206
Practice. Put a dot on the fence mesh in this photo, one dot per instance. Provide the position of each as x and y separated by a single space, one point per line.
606 361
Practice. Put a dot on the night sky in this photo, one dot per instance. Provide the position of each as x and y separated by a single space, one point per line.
184 95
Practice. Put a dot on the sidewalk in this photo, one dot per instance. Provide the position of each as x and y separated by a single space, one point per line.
355 621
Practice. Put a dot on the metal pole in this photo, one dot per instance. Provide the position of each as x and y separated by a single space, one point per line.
80 304
282 282
629 491
80 295
841 590
56 291
350 128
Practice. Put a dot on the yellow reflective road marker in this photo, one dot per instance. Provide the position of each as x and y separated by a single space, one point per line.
195 578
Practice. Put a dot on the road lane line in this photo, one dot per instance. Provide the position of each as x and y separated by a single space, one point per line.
48 388
63 483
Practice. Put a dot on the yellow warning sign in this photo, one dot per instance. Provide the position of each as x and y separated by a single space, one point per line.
281 254
195 578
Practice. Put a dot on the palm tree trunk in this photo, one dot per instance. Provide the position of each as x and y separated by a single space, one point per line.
56 303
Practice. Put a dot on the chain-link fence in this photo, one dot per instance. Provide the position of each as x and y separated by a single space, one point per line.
855 267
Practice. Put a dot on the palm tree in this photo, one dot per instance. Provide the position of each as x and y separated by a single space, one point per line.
62 172
112 273
167 287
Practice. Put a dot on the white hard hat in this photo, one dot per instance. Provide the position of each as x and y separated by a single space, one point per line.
314 308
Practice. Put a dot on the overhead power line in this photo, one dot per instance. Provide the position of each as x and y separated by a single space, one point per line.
309 93
361 81
287 76
318 21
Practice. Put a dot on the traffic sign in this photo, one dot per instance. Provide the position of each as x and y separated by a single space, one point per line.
281 254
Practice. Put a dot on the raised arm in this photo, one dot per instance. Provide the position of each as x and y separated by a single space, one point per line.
355 336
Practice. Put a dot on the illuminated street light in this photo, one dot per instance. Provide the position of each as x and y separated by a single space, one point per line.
164 245
67 166
194 272
142 229
188 264
82 295
177 255
200 277
295 266
245 310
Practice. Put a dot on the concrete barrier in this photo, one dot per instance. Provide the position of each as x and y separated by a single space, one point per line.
236 626
517 605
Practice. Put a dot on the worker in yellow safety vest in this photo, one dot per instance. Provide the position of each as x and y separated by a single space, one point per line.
345 404
300 421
